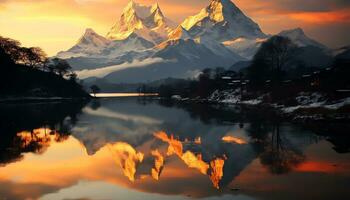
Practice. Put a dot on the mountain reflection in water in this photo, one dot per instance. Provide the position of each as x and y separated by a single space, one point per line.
134 148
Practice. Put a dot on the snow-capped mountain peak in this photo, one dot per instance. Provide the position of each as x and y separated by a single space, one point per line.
155 8
146 21
91 37
219 10
222 20
299 37
88 44
140 10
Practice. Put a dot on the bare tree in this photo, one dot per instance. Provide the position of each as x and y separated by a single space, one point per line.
276 52
271 59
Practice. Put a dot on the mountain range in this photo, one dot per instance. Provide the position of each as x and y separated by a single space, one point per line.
144 45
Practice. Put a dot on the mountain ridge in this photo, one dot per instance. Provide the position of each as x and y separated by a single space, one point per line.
219 35
222 20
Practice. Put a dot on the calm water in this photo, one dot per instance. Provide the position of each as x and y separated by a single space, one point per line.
136 148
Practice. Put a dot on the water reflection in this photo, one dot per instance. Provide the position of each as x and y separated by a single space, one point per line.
31 128
149 150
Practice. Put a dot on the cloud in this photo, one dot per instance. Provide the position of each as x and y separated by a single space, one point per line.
101 72
323 17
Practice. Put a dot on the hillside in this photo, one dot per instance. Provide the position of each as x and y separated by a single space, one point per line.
27 73
21 81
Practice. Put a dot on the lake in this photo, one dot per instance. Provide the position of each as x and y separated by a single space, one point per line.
141 148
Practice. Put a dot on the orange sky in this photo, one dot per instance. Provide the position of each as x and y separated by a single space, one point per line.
56 25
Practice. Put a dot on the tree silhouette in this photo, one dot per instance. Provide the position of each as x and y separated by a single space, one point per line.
11 47
270 60
33 57
59 66
5 59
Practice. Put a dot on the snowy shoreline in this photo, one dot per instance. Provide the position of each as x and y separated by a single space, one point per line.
310 106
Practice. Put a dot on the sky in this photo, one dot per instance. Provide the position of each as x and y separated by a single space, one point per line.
56 25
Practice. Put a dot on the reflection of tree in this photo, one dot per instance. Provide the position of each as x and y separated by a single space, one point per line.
32 128
278 155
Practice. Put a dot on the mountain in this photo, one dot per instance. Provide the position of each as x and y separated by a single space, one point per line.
132 43
145 21
310 53
90 43
240 65
222 20
298 37
343 53
247 47
135 40
181 59
179 33
94 51
193 52
244 47
311 57
144 45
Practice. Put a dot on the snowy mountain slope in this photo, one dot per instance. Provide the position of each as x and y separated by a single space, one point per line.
99 51
182 59
145 21
131 43
172 58
298 37
179 33
100 61
222 20
244 47
247 48
343 53
90 43
191 50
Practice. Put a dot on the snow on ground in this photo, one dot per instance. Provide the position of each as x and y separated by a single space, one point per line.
252 102
304 100
232 97
339 104
316 100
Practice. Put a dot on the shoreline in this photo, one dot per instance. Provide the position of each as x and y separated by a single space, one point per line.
299 115
23 100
